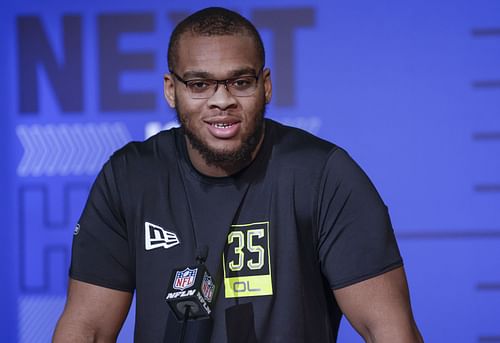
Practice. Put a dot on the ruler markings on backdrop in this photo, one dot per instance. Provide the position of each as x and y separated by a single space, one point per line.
487 188
486 136
447 234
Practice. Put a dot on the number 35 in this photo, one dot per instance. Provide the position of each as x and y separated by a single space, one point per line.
239 236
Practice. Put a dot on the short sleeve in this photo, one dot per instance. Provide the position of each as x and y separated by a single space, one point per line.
356 240
100 252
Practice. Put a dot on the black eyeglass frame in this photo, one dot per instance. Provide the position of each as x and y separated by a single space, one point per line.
218 82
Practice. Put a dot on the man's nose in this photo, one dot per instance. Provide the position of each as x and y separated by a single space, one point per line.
222 98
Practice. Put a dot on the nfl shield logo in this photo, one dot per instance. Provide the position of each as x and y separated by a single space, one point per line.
184 278
207 287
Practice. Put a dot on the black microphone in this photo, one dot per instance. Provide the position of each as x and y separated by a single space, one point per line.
191 289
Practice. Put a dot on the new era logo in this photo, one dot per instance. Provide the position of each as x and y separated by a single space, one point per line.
157 237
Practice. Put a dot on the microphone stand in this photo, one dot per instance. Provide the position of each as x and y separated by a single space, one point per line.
184 323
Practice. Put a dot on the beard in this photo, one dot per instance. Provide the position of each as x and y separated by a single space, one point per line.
227 159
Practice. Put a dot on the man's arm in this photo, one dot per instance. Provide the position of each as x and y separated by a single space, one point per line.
92 314
379 308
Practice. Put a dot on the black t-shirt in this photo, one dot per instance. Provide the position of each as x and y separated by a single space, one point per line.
300 220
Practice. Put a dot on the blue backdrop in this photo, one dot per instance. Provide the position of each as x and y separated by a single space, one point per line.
410 88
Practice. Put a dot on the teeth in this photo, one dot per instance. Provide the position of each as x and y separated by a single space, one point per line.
222 125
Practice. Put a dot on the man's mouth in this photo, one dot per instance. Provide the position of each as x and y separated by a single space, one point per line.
224 129
222 125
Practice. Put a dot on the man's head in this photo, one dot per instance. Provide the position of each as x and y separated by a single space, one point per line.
213 21
219 88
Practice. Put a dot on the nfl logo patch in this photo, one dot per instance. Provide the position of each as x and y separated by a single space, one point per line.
207 287
185 278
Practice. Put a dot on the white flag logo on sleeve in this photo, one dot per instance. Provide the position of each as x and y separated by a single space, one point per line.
157 237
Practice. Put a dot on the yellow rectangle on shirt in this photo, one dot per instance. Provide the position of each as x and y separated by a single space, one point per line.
248 286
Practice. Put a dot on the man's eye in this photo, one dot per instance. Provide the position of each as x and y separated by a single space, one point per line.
242 82
198 85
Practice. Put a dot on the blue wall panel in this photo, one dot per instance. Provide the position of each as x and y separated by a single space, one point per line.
410 89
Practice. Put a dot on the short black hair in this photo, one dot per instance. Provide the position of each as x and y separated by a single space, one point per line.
213 21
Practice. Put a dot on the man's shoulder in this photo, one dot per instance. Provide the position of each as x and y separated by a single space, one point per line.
147 159
156 148
299 145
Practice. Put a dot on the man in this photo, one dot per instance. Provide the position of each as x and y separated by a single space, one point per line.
303 234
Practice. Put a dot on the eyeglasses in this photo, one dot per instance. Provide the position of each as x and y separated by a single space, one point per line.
240 86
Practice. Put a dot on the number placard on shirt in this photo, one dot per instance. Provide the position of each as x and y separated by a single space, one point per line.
246 261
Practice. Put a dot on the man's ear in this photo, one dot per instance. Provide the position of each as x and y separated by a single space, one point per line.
169 89
268 85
